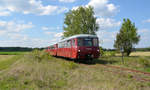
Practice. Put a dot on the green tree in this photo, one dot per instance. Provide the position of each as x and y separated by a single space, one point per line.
127 37
80 21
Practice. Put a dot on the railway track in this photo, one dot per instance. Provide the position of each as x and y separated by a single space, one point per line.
123 71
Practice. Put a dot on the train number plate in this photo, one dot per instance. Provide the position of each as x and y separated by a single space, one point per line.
88 48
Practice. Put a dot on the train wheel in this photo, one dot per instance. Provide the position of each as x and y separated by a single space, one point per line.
76 60
90 61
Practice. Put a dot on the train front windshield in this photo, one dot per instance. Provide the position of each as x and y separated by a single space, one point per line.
87 42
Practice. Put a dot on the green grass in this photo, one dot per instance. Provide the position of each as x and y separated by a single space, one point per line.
12 53
37 70
4 57
133 62
139 63
8 62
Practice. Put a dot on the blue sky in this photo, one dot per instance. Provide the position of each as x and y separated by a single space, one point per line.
38 23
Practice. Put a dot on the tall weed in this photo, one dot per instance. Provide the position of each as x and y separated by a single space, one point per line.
40 55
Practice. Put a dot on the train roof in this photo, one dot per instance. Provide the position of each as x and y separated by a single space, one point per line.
78 36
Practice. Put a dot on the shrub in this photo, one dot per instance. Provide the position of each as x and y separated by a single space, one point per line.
109 53
40 55
101 51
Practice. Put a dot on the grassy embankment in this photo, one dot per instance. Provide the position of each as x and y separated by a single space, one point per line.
37 70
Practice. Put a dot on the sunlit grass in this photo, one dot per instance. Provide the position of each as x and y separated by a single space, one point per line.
8 62
140 54
4 57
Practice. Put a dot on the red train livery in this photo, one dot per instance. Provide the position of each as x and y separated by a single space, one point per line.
81 46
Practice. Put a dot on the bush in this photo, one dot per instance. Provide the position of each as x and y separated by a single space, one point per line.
40 55
101 51
109 53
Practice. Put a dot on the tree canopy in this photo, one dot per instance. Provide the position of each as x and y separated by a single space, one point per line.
127 37
80 21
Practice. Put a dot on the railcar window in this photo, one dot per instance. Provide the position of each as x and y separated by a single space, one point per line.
52 47
73 42
59 45
65 44
80 42
69 43
87 42
95 42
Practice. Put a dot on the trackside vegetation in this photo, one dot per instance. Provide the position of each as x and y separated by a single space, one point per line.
38 70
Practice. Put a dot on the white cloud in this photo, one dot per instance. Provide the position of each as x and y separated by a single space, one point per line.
11 33
67 1
50 33
143 30
59 34
17 36
61 10
103 8
12 26
144 37
23 40
45 28
75 8
4 12
2 32
28 7
28 42
147 21
106 23
107 38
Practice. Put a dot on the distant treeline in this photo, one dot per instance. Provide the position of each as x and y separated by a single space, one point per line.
23 49
143 49
134 49
12 49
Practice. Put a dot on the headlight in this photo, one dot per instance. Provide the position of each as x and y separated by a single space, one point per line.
92 55
98 50
78 50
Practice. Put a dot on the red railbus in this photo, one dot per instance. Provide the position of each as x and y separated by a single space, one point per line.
52 50
81 46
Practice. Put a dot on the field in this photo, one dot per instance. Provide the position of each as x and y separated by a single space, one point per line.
140 54
37 70
3 57
12 53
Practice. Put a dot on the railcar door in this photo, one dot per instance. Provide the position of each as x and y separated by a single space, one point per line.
68 49
55 50
73 49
